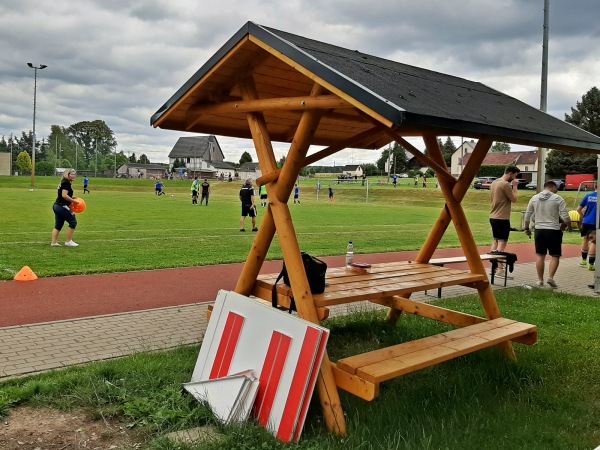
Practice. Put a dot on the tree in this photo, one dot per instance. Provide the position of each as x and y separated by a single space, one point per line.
500 147
448 150
281 161
144 159
23 163
369 169
398 159
132 158
246 157
585 115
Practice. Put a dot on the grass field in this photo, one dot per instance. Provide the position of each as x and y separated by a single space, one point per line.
126 227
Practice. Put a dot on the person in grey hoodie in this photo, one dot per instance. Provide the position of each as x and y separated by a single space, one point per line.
551 217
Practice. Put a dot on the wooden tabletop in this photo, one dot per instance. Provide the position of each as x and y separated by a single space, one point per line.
383 280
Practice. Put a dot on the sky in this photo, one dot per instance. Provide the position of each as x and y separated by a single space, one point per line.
120 60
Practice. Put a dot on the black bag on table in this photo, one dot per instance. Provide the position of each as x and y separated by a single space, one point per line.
315 272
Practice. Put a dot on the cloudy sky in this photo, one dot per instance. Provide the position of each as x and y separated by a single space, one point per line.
120 60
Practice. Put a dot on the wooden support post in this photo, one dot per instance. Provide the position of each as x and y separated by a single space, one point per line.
459 191
278 211
461 224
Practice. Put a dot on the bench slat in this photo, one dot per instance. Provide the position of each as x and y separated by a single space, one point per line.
384 364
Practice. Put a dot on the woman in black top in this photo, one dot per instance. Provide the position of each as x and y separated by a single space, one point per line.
62 210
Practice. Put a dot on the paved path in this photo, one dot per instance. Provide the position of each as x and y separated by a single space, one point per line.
32 348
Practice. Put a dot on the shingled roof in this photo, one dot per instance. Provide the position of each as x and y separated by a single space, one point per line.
203 147
505 159
409 99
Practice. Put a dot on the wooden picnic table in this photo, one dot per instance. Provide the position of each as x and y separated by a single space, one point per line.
391 284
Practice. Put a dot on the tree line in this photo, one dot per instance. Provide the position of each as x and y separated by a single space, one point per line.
85 146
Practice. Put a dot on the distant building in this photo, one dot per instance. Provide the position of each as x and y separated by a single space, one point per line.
136 170
353 170
200 154
249 170
525 161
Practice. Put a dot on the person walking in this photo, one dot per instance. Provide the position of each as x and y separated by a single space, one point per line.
424 181
551 219
62 210
587 211
85 185
394 180
205 186
248 206
296 194
416 181
331 198
262 192
195 188
503 194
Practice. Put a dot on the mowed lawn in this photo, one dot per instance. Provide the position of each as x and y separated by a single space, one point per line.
126 227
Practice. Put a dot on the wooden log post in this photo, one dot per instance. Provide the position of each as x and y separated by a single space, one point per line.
278 211
461 224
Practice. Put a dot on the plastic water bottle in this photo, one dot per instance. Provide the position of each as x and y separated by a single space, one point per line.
349 254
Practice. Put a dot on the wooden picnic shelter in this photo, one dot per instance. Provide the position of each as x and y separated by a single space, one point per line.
269 85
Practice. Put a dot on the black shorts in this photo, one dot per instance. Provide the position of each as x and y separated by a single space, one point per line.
296 197
548 242
500 229
586 228
63 214
248 210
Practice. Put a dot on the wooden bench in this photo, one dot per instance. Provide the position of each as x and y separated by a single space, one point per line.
391 362
390 284
463 259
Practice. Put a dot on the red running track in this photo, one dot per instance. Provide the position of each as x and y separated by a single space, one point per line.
61 298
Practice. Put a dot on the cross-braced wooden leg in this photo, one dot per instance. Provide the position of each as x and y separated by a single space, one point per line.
278 211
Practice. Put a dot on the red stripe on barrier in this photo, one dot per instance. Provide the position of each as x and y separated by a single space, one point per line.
311 385
227 346
270 375
297 392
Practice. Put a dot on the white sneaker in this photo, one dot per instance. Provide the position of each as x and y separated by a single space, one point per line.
55 244
71 244
539 284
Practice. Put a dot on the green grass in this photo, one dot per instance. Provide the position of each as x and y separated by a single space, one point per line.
548 399
126 227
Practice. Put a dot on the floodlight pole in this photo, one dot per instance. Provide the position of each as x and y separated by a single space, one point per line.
35 69
541 172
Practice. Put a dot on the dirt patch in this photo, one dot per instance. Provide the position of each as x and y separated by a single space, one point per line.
48 429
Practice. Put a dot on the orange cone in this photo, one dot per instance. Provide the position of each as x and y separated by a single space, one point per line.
26 274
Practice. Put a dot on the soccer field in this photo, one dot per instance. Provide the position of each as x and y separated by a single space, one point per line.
126 227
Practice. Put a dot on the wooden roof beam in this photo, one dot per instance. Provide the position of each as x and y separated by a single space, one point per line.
273 104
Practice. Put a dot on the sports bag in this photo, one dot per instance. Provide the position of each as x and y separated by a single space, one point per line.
315 272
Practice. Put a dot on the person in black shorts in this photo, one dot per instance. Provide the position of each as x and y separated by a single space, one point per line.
62 210
263 196
551 219
248 206
205 186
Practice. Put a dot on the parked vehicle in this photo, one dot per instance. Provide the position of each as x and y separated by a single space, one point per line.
484 182
573 182
522 183
560 184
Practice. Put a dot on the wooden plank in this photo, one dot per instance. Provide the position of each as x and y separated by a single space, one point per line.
355 385
458 319
461 259
410 358
352 363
